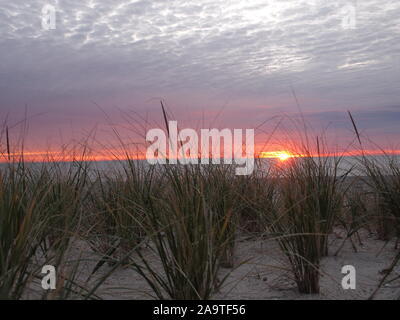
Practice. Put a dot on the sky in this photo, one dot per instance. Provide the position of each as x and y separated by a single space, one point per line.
214 63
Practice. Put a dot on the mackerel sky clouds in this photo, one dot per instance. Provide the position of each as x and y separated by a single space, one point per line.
238 60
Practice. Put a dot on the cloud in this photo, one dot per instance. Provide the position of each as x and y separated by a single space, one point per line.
197 52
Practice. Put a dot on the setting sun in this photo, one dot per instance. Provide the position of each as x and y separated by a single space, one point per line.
281 155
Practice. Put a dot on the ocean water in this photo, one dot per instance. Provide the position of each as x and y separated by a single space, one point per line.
350 165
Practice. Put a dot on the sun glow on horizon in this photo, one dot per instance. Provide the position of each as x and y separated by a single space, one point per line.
281 155
110 154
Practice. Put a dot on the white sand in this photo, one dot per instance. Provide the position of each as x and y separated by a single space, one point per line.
266 276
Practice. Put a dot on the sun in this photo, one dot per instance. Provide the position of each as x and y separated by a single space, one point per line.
283 156
280 155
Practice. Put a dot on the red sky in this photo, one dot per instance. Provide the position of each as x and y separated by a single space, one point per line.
223 64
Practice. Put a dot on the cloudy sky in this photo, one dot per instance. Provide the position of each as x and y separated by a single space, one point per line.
224 63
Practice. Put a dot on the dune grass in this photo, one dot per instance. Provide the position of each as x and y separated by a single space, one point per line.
41 214
177 225
188 234
300 208
116 206
21 230
384 179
